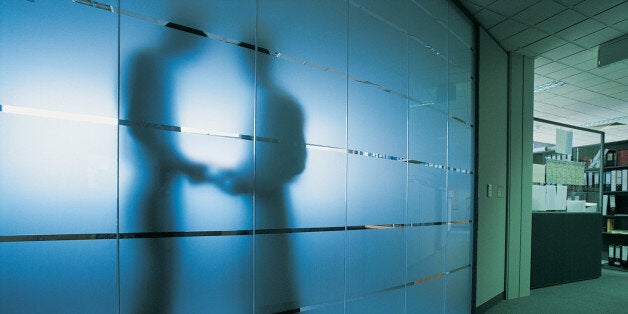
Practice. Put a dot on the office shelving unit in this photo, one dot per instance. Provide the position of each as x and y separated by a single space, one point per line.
615 227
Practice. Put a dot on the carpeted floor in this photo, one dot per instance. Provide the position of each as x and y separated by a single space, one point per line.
607 294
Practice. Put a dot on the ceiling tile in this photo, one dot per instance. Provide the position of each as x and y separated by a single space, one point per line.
615 75
598 37
562 51
616 89
587 65
613 67
582 76
593 7
570 2
506 29
564 90
488 18
622 96
549 68
622 26
600 88
591 82
548 43
560 21
623 80
540 80
541 61
581 29
539 12
524 38
472 7
482 3
579 57
509 7
613 15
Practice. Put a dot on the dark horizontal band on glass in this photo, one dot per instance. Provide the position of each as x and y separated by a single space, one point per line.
181 234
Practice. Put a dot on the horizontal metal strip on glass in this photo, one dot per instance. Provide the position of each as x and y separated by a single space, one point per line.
180 234
458 269
199 32
60 115
57 237
183 234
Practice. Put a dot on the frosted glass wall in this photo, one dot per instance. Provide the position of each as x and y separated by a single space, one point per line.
235 156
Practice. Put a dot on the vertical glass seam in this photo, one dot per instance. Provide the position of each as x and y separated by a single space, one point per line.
118 277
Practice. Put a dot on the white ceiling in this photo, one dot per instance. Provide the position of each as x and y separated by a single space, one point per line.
563 36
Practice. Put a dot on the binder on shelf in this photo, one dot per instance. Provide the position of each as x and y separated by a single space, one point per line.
538 198
607 181
624 255
613 182
596 179
618 179
611 255
561 197
624 180
590 184
617 255
604 205
611 205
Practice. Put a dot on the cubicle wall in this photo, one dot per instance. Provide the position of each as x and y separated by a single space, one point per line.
235 156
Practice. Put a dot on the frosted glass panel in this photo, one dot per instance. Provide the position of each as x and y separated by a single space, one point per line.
427 297
172 181
176 78
460 195
324 173
58 55
458 245
460 145
384 302
428 135
232 19
324 114
382 61
459 292
58 277
426 194
236 156
187 275
377 121
375 260
56 176
295 29
426 251
298 270
375 191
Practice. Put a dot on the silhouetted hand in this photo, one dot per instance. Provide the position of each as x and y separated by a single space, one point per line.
196 172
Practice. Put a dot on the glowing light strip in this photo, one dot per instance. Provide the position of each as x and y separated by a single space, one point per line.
42 113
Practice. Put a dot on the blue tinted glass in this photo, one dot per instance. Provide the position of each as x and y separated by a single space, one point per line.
376 191
382 61
426 297
460 195
458 245
460 145
298 270
426 251
56 176
427 135
58 277
375 260
377 121
231 19
187 275
176 78
172 181
458 292
384 302
426 194
324 173
324 114
295 29
59 55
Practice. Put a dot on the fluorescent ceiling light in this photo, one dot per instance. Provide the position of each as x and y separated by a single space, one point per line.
548 86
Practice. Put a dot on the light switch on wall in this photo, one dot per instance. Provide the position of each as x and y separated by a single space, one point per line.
500 191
